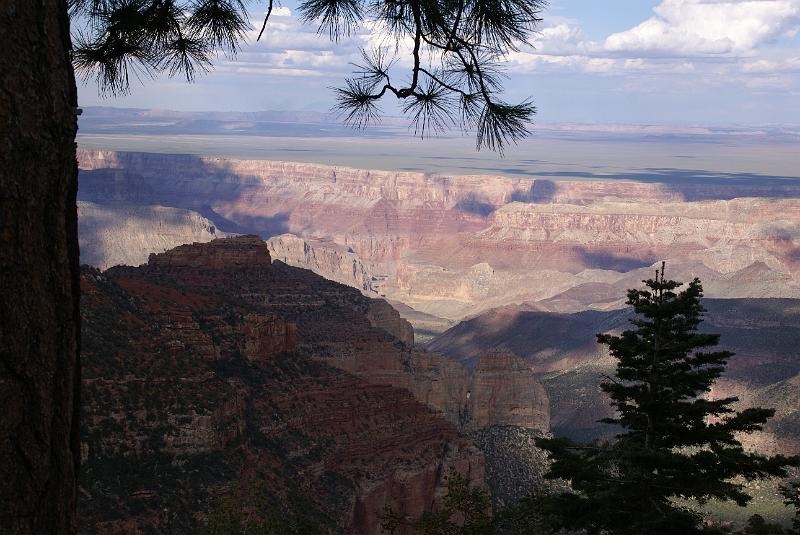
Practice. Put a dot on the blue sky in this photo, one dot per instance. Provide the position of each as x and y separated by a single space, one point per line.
604 61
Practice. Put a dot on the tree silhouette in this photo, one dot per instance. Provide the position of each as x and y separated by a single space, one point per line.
465 510
676 442
791 494
457 50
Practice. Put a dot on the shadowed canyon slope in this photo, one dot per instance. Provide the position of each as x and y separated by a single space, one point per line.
212 371
123 234
562 349
451 247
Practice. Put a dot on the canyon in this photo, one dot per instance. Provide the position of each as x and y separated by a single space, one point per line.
211 371
478 297
442 249
562 349
450 247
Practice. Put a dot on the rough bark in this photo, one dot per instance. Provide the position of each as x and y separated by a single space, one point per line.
39 315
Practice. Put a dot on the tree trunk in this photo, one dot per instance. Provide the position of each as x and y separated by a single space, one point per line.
39 314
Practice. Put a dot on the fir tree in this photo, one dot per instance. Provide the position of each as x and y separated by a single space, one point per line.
791 493
465 510
676 442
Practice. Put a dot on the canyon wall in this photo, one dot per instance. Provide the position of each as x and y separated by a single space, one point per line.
126 234
214 372
451 247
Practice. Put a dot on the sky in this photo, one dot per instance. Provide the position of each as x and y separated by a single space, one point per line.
696 62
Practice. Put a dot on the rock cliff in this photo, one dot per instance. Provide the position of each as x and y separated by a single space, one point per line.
451 247
248 252
383 316
504 391
126 234
212 371
328 259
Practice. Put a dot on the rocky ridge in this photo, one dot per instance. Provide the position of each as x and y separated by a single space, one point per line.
211 371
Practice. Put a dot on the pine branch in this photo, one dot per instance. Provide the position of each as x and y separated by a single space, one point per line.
266 19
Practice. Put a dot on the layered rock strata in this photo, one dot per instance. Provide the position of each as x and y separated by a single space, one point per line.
125 234
328 259
504 391
451 247
212 371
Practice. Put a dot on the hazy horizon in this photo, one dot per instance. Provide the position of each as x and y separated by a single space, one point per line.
556 152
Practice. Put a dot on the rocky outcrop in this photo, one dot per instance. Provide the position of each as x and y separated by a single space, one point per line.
382 315
504 391
241 252
212 372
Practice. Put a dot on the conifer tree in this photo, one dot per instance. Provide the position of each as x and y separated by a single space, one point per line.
791 493
457 55
676 442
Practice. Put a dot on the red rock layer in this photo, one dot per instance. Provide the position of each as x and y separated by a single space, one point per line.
248 252
204 379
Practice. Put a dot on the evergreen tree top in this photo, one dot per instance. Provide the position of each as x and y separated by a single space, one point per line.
676 440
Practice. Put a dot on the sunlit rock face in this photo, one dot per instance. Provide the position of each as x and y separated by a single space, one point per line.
325 258
126 234
452 246
504 391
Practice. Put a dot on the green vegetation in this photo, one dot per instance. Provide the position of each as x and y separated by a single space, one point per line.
676 448
791 493
675 442
256 510
465 510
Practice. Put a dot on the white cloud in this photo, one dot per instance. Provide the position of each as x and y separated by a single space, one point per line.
702 38
706 27
769 66
281 11
768 83
706 42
